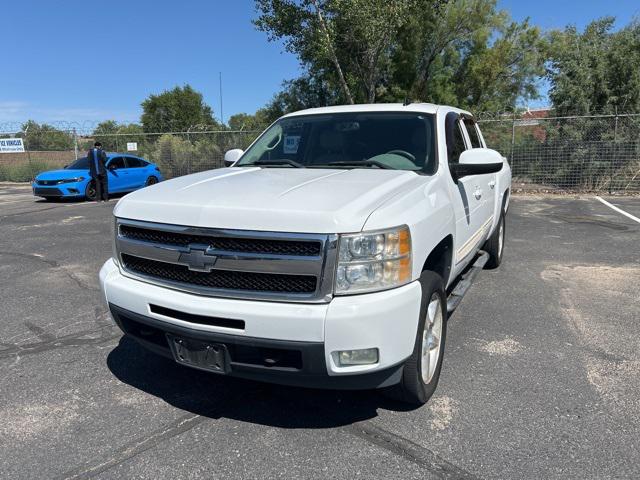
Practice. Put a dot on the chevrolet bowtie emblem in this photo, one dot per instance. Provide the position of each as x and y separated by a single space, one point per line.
198 260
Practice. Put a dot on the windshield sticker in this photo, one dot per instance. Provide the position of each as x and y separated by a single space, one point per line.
291 143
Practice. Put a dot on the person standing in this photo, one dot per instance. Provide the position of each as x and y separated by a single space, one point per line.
97 167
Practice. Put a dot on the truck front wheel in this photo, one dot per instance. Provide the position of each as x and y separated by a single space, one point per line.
494 246
422 369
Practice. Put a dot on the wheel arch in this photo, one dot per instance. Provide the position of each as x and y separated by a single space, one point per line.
440 259
505 199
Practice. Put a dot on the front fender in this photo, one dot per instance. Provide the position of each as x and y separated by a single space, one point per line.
428 213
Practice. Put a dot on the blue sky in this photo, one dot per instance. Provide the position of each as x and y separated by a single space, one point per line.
87 60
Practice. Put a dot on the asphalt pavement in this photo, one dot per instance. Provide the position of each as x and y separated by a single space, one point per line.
541 375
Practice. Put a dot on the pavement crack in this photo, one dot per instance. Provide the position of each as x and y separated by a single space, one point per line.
77 281
98 465
32 256
53 265
409 450
40 332
51 342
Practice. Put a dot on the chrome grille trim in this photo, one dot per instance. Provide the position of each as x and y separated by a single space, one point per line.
321 266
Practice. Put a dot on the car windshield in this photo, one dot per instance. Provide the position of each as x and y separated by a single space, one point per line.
80 164
400 141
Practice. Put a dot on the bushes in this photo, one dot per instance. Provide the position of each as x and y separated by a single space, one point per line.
23 172
178 156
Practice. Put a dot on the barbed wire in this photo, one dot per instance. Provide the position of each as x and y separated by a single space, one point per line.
88 128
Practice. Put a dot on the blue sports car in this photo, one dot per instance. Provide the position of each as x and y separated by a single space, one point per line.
124 172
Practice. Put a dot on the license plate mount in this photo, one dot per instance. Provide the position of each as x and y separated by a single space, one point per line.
211 357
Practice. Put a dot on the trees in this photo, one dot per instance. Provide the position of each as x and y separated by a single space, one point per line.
345 42
175 110
462 52
45 137
114 137
595 71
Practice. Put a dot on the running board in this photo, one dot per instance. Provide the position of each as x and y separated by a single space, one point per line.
466 280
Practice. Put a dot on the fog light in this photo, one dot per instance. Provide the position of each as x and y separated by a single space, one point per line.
366 356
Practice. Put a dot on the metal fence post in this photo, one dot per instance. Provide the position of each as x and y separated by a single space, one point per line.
615 151
75 143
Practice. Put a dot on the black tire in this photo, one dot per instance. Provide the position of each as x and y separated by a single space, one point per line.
90 191
412 388
151 181
494 246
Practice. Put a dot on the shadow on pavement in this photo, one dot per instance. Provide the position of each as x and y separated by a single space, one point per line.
215 396
112 196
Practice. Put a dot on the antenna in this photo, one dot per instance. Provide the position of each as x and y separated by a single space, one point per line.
406 102
221 114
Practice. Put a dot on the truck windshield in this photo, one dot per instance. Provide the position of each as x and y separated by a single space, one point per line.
386 140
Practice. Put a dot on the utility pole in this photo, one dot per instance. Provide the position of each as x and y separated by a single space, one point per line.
221 114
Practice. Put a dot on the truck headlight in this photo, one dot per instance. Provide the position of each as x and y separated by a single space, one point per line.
372 261
114 239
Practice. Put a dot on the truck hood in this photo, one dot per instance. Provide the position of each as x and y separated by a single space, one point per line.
303 200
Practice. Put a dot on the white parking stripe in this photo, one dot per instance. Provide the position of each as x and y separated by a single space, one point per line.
619 210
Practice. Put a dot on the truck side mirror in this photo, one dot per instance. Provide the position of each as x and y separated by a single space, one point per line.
477 161
232 156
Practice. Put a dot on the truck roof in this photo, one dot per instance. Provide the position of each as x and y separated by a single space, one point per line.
377 107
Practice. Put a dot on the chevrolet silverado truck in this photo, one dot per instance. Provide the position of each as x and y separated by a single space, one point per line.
328 254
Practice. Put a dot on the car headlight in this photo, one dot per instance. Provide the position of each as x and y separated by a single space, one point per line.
371 261
71 180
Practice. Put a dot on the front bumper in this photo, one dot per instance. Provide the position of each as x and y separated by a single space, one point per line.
310 333
59 191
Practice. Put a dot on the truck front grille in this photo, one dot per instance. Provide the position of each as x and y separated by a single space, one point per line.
227 244
275 266
220 279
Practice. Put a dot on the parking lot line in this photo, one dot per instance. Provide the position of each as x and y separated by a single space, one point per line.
619 210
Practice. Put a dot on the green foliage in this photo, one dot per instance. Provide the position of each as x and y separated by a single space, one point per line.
23 172
41 137
244 121
460 52
175 110
114 137
179 156
595 71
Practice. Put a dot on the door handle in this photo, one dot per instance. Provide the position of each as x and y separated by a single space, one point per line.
477 193
492 183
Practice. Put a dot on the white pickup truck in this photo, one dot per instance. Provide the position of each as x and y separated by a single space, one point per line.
327 255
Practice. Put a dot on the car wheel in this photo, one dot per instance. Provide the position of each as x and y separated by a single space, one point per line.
421 370
495 245
90 191
151 181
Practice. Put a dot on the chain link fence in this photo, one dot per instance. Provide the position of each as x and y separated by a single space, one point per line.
596 153
176 153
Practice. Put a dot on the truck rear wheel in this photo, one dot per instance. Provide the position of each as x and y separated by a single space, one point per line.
421 370
495 245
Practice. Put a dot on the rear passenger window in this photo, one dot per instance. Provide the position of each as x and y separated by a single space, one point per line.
472 130
458 144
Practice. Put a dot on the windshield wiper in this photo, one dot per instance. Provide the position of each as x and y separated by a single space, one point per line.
364 163
280 161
